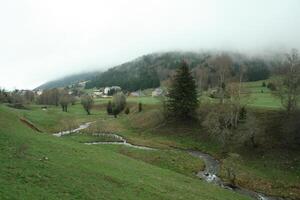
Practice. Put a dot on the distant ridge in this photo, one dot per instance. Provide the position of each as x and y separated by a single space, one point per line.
68 80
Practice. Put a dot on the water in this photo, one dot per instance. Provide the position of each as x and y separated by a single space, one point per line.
81 127
121 141
212 165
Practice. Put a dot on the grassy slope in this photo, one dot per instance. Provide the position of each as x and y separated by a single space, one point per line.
273 171
77 171
259 96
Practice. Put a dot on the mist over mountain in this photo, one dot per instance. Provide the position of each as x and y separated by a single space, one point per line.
68 80
153 70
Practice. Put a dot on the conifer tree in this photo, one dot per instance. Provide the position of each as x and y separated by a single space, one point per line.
182 99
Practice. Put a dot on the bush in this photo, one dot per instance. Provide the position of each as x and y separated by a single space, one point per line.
263 84
243 113
271 86
127 111
140 107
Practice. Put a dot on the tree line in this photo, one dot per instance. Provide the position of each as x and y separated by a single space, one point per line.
223 120
151 70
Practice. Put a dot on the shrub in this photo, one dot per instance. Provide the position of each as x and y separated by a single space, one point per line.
127 111
263 84
140 107
271 86
243 113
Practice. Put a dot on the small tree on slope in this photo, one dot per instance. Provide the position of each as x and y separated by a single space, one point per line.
87 103
182 99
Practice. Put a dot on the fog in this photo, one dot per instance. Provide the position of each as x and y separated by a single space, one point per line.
41 40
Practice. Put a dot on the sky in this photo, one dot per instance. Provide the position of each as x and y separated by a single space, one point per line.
41 40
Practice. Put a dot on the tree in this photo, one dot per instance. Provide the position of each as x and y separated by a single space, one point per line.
289 86
16 99
252 130
87 103
218 123
118 103
50 97
222 65
29 96
109 108
257 70
73 100
182 99
127 111
231 167
201 75
140 107
64 101
3 96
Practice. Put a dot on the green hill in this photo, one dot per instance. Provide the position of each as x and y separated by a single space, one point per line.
40 166
149 71
146 71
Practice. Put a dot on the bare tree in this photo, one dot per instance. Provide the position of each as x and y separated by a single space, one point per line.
29 96
201 77
64 101
222 65
218 123
289 85
87 103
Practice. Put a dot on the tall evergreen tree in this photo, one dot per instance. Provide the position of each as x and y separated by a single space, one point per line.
182 99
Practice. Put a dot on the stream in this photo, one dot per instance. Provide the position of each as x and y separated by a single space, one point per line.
212 165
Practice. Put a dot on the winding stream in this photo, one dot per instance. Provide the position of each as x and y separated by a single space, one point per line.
212 165
81 127
121 141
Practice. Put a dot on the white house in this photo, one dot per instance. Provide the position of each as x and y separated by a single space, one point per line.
137 94
157 92
82 83
97 93
106 90
39 92
115 88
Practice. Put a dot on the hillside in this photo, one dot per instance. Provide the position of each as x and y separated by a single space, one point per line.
40 166
150 71
146 71
67 80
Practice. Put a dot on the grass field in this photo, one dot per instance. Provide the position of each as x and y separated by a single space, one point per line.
73 170
40 166
260 96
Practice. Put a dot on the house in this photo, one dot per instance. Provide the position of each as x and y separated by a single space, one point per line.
82 83
137 94
111 90
39 92
106 90
157 92
97 93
